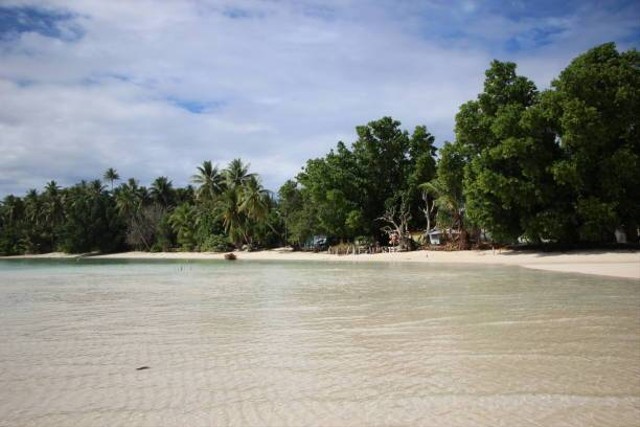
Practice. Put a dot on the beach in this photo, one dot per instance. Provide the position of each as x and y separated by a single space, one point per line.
133 342
600 263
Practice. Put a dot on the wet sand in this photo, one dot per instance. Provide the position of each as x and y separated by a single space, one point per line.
612 264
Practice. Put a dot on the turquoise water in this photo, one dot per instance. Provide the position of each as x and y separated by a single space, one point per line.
266 343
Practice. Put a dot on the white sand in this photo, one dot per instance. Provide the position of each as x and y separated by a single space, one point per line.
614 264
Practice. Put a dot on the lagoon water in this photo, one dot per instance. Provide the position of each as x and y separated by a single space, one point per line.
258 343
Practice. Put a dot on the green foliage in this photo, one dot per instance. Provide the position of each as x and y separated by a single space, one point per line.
595 105
111 175
209 180
507 182
183 220
291 207
231 207
162 192
216 243
91 221
297 215
346 192
446 188
598 219
562 165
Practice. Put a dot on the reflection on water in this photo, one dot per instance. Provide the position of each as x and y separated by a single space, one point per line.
315 344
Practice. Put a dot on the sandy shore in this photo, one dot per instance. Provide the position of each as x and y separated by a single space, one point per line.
614 264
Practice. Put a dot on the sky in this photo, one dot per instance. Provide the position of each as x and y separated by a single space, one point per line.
155 87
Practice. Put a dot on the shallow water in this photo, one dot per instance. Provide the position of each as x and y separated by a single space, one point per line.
251 343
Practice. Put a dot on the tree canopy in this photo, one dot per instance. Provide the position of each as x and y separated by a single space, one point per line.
561 165
345 193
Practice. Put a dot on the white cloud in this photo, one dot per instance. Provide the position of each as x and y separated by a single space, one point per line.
276 83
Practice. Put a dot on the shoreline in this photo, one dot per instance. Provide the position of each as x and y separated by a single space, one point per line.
599 263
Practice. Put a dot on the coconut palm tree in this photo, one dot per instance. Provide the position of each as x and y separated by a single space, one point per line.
233 219
162 192
182 221
254 200
237 174
96 187
11 227
130 198
32 204
185 194
12 209
256 203
52 210
209 180
111 175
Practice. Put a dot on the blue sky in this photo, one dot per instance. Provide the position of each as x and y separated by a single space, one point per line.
155 87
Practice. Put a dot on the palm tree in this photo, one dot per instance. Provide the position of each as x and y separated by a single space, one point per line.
51 188
254 200
32 206
256 203
185 195
209 181
237 174
96 187
162 191
182 221
12 209
129 198
53 210
233 219
34 238
111 175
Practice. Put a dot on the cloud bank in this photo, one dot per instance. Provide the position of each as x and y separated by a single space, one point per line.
156 87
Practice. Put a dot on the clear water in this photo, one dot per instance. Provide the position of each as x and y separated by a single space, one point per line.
251 343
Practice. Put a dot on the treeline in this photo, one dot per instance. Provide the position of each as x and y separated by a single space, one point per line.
561 165
227 208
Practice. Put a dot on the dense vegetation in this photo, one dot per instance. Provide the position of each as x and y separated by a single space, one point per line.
226 208
562 165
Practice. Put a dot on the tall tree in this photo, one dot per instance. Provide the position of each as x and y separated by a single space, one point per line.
130 198
349 190
233 219
393 163
209 180
53 212
162 192
297 215
237 173
446 189
594 106
111 175
183 221
11 225
254 200
91 220
507 185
